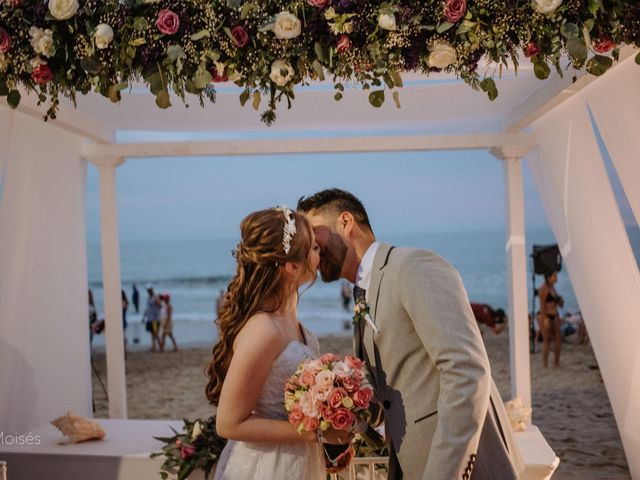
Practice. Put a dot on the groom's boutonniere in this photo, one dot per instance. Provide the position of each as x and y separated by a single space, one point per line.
361 312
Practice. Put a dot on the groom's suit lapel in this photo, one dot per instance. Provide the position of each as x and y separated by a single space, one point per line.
380 261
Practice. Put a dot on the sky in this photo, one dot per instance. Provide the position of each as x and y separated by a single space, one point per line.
409 192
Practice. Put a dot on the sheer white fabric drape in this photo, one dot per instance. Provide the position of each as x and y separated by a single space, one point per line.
570 174
44 339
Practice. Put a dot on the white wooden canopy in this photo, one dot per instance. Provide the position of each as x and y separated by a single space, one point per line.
438 113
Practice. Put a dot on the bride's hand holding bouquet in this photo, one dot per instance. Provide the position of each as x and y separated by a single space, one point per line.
330 396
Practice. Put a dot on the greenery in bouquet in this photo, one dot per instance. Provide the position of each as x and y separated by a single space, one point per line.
197 447
267 47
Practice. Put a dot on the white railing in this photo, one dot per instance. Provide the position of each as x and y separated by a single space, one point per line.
364 468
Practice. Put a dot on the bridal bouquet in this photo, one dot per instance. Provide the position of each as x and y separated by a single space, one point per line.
328 392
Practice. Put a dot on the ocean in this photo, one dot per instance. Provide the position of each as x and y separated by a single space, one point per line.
194 271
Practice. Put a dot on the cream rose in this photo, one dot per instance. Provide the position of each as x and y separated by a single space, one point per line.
42 41
442 55
287 26
281 73
104 35
387 21
546 6
63 9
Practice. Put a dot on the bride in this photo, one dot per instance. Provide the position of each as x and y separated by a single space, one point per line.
261 342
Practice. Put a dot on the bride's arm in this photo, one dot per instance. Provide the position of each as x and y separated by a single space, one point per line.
257 347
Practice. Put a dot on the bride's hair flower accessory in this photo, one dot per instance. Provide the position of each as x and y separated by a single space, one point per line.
289 229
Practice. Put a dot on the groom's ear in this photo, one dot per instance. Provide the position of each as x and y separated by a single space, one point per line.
346 222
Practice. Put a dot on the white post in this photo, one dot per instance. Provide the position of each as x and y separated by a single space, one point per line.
114 333
516 273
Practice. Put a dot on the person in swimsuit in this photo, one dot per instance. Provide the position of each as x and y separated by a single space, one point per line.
549 318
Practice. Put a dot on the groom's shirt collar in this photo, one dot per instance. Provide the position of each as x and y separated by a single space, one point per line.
363 278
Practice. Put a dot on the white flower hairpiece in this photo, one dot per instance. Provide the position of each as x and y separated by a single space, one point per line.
289 229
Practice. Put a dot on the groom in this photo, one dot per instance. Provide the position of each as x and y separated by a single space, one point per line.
444 418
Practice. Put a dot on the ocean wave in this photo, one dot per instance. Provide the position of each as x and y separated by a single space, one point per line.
176 281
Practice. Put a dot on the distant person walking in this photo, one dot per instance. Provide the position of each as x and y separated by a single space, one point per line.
125 307
345 293
151 318
495 319
93 316
549 318
135 298
166 322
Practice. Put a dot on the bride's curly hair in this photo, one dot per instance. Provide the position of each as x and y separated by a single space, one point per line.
257 284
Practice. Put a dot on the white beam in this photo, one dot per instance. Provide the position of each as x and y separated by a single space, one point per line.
555 91
516 274
68 118
309 145
114 333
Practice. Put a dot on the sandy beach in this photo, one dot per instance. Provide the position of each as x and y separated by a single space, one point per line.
570 404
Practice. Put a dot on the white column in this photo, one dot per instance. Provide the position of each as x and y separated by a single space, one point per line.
516 272
114 335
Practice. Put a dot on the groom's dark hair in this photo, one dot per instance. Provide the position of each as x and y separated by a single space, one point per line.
336 201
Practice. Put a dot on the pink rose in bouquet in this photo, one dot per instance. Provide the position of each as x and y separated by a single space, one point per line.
328 392
168 22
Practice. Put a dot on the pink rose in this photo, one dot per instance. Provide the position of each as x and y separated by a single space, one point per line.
307 379
320 392
325 378
311 424
603 45
362 397
240 36
186 451
455 10
343 44
168 22
296 416
353 362
350 384
309 405
42 74
359 374
343 419
5 41
531 50
336 396
319 3
328 358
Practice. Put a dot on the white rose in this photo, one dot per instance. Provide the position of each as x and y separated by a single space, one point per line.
104 35
197 431
42 41
35 62
4 63
63 9
287 26
546 6
442 55
281 73
387 21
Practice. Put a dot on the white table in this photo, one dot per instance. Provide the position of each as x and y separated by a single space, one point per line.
540 461
122 455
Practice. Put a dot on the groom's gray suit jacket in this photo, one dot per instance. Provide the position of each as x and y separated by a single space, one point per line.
444 418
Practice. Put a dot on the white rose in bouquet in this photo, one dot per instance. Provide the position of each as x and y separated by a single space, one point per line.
287 26
63 9
104 35
442 55
546 6
387 21
281 73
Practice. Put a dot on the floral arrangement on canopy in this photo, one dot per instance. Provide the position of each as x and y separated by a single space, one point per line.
267 47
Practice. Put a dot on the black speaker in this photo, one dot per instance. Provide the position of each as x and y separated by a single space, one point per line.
546 259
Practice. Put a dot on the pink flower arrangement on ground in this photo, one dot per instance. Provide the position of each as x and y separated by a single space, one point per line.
328 392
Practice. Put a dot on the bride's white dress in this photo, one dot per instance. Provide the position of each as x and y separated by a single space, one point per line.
271 460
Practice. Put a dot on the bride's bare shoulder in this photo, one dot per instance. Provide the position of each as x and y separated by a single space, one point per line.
261 331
